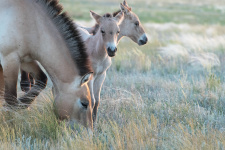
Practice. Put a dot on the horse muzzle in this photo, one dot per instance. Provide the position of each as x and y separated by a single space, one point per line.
111 52
143 40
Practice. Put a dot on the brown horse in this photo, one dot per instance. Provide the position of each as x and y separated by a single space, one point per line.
38 30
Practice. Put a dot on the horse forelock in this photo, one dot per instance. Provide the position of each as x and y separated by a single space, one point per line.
96 27
70 34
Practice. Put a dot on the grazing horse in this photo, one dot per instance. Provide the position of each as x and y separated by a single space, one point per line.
101 47
38 30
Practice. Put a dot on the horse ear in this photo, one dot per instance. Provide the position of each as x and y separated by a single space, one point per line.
124 9
96 16
125 4
119 17
86 78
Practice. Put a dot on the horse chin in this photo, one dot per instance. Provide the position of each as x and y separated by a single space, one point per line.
111 54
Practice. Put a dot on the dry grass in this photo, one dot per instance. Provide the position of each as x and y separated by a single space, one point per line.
168 94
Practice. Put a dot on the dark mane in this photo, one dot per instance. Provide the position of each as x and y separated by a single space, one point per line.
116 13
70 34
95 29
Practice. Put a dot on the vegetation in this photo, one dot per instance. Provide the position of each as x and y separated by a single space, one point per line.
168 94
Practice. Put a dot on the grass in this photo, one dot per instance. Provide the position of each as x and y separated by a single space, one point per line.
152 11
168 94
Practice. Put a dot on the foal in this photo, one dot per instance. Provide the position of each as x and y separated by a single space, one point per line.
130 27
101 47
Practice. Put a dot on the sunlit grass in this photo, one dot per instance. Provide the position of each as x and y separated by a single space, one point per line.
168 94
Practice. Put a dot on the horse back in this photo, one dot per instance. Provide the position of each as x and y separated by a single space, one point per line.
17 25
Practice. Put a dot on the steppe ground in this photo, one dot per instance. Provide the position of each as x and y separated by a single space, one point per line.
168 94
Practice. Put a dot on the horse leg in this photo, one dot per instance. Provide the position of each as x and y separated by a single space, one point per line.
31 79
97 90
2 84
90 85
11 65
25 83
40 84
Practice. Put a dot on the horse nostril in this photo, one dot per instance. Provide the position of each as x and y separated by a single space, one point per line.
112 50
142 42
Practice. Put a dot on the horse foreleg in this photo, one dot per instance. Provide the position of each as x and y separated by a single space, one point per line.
31 79
40 82
90 85
11 65
2 84
25 83
97 90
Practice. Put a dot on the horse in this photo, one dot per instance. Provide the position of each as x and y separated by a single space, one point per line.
101 47
130 27
35 31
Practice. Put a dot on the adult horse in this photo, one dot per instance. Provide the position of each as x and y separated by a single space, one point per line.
38 30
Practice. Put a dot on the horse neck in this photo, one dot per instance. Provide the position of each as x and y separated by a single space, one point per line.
53 52
123 33
120 36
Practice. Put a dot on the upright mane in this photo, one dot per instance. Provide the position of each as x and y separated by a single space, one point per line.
70 34
116 13
107 15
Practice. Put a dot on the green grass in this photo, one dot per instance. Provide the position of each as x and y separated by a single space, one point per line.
151 12
168 94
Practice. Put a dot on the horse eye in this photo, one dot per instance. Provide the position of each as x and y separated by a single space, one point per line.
118 32
85 105
136 23
102 31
